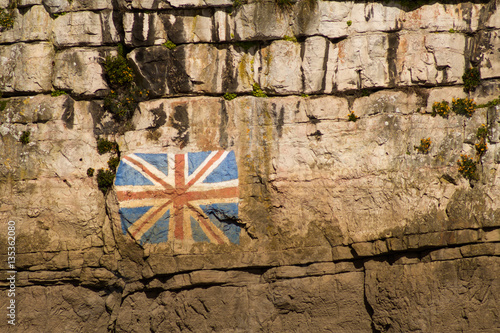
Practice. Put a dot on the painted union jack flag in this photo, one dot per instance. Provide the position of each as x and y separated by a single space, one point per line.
191 197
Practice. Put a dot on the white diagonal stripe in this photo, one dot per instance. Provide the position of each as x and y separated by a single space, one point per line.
200 167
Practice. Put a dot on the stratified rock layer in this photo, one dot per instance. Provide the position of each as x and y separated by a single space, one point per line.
346 226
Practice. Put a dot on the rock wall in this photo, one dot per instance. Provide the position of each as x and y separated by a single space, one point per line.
343 226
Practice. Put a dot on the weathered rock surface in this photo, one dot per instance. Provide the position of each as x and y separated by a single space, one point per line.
444 296
26 67
343 225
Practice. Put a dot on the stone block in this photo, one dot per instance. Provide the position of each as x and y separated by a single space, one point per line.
440 17
323 268
482 249
261 21
490 65
342 253
362 62
33 25
209 277
373 17
190 26
363 249
64 6
446 254
281 63
491 236
314 61
26 68
430 59
453 289
85 29
324 18
80 70
143 29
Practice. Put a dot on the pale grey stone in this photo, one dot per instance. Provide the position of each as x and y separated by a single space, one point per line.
85 28
26 67
79 70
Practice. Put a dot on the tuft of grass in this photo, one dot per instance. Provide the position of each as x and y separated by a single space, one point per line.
229 96
6 19
105 180
3 105
105 146
257 91
290 38
169 45
55 93
113 163
471 79
25 137
56 15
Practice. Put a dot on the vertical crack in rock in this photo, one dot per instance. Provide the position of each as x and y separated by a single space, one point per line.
224 119
368 306
393 44
69 113
177 78
325 65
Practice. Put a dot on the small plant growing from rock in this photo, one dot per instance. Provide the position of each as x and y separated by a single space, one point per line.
25 137
169 45
257 91
482 132
6 19
124 95
105 180
118 71
349 23
441 108
352 117
105 146
493 102
3 105
90 172
424 147
290 38
471 79
113 163
482 146
467 167
55 93
229 96
464 106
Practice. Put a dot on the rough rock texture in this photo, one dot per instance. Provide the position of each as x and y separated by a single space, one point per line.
346 226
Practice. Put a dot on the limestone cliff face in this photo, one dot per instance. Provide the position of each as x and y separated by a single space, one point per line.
332 225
